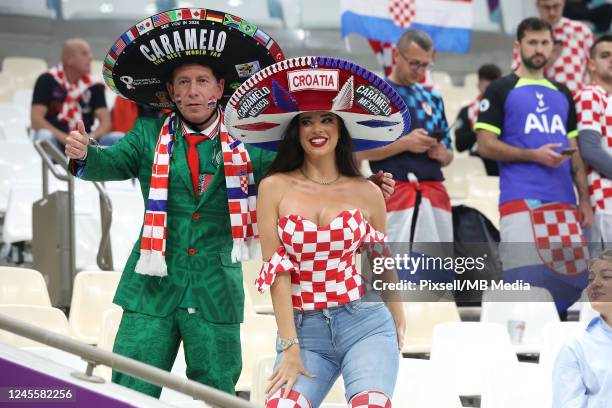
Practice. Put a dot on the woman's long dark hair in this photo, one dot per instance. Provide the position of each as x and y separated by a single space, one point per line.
290 154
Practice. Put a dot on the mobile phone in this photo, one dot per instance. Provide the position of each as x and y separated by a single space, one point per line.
569 151
438 134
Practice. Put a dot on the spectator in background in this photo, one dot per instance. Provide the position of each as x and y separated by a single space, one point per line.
594 108
528 124
582 376
600 15
66 94
572 42
419 210
465 137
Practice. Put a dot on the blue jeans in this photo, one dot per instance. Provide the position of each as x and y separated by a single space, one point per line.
357 340
107 139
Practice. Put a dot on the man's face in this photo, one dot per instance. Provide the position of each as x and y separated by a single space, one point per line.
600 286
192 88
550 11
601 63
411 64
536 48
80 58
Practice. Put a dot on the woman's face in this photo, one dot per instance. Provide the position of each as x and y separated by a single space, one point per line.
319 133
600 286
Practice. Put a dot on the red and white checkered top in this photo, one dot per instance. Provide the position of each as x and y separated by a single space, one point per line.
570 67
594 109
472 111
321 260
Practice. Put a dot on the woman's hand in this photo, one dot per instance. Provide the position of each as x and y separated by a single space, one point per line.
287 372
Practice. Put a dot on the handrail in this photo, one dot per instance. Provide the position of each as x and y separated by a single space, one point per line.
50 153
93 356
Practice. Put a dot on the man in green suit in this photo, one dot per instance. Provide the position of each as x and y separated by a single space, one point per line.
197 296
183 280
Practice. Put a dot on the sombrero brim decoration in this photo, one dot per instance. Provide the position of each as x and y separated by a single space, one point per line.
261 109
140 62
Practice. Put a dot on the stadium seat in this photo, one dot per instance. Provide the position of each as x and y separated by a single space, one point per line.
48 318
522 385
441 79
15 122
536 308
471 352
260 302
258 337
92 295
7 88
18 218
483 195
23 286
421 318
23 66
457 174
470 81
420 384
22 99
128 213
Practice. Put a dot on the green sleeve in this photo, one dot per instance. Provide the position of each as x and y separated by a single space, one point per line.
117 162
261 159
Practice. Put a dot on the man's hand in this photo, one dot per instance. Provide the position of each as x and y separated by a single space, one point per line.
76 143
548 157
417 141
440 153
385 182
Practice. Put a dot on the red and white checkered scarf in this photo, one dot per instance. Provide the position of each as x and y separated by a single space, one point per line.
240 183
71 110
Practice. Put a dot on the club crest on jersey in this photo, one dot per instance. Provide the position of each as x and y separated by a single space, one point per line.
540 122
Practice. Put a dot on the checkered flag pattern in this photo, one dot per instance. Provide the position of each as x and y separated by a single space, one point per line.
570 67
402 12
71 109
327 274
153 243
594 109
559 238
293 400
370 399
240 183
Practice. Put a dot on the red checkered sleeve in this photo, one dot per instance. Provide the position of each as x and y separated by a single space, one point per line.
278 263
375 242
590 110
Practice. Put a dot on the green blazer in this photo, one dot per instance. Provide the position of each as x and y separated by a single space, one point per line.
204 226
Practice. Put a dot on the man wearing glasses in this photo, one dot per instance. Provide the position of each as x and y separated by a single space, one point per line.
419 210
573 41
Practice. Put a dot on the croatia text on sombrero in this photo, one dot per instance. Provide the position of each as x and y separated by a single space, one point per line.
208 42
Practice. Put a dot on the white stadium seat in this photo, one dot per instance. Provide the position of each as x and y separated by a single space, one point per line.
48 318
23 286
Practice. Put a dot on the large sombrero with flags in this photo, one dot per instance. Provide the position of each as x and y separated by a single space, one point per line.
142 59
260 110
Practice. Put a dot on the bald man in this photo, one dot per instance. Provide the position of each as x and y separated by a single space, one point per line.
66 94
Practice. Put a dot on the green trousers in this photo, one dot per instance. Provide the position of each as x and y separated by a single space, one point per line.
212 351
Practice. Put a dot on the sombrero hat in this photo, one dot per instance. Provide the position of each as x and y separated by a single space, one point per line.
141 60
261 109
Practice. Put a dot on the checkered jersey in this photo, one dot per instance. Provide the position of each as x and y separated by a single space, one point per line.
594 109
570 67
426 109
321 260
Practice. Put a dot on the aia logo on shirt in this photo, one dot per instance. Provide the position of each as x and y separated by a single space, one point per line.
541 122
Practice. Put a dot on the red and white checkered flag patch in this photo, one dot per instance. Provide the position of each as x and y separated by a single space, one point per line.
293 400
559 239
370 399
402 12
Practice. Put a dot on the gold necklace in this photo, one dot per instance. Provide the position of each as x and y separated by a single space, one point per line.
323 183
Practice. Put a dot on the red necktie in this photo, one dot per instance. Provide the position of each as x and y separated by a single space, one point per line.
193 160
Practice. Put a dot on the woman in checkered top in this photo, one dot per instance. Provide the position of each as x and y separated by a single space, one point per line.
315 211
